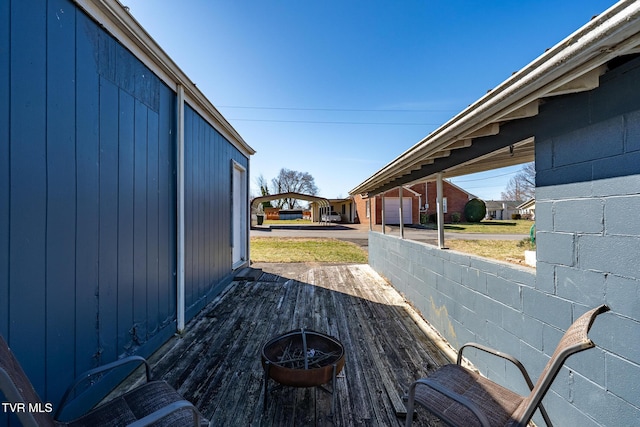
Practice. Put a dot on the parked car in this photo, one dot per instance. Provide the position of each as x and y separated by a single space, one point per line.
332 217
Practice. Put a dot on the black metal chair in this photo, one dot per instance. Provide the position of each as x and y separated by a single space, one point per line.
461 397
152 403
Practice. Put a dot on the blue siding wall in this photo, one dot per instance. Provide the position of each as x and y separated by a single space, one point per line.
208 204
88 199
87 196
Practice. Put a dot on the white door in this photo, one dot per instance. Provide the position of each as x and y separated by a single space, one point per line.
239 215
392 210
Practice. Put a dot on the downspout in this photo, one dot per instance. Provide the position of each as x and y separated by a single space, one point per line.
401 214
180 298
440 211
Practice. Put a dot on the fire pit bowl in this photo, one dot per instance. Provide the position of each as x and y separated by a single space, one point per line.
302 358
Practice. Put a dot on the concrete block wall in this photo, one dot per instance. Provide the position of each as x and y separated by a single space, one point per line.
515 310
588 235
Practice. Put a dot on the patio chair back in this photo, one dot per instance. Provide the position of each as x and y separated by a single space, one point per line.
18 390
573 341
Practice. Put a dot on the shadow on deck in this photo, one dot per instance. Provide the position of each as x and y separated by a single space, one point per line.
216 364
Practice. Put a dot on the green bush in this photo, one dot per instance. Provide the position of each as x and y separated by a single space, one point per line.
475 210
516 216
455 217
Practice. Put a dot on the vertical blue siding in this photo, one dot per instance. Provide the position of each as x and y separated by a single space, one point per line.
27 256
208 240
88 198
61 194
108 245
5 171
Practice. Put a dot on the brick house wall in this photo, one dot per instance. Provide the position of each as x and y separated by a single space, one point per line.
456 198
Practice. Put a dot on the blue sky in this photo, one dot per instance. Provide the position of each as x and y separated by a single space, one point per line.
339 88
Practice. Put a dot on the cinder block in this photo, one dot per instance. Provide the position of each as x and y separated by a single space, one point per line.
579 216
618 255
546 277
562 186
623 295
581 286
556 248
623 165
513 321
547 308
617 186
532 330
544 154
617 334
622 378
489 309
544 215
573 148
632 131
564 413
517 274
504 291
620 214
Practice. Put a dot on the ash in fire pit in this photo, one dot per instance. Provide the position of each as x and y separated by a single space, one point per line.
312 358
302 358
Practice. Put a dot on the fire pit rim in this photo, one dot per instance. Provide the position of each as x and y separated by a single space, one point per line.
309 377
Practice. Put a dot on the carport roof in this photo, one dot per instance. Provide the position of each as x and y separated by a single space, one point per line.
477 139
322 202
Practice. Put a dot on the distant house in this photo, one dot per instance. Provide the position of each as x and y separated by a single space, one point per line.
501 209
417 199
527 210
123 192
345 208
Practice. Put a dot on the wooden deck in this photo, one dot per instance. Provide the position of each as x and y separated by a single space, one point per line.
216 364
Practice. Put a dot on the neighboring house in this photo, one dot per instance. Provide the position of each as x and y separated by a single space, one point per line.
123 192
576 112
417 199
345 208
454 199
501 209
527 210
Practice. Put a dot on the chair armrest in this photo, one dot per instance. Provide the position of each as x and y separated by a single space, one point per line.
505 356
100 369
168 410
482 418
513 360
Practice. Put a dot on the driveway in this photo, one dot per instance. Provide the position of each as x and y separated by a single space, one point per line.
358 233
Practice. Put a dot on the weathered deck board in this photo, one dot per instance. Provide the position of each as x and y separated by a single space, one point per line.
216 363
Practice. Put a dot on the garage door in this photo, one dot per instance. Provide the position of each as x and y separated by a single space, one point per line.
392 210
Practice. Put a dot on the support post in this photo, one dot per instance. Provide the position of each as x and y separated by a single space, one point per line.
440 208
401 214
384 221
180 294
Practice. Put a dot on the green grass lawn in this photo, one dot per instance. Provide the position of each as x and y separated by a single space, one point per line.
279 249
489 227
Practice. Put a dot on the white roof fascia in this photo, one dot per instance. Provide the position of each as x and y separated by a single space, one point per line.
117 20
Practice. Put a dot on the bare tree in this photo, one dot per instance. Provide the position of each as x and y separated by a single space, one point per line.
522 186
292 181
